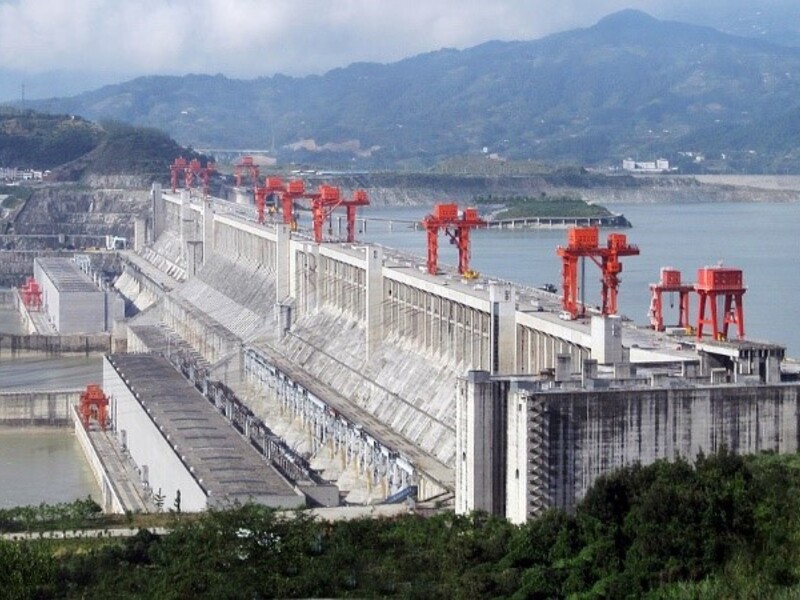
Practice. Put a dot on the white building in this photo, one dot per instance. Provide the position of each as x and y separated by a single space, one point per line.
657 166
72 301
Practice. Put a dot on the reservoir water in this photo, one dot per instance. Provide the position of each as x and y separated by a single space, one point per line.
45 464
759 238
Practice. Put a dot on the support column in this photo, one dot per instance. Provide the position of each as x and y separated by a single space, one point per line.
139 233
607 340
305 285
185 227
282 268
194 257
159 210
502 330
374 293
481 434
208 228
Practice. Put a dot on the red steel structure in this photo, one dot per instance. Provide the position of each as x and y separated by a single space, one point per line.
670 282
359 199
724 283
273 186
246 167
583 242
295 190
31 294
456 226
93 404
176 169
323 202
191 171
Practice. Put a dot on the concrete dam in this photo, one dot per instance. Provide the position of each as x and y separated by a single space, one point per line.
355 370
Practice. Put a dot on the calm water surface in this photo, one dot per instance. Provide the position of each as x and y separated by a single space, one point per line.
43 465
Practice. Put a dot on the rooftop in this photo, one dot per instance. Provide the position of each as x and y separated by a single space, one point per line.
66 275
221 459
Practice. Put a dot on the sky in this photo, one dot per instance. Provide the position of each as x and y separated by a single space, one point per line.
62 47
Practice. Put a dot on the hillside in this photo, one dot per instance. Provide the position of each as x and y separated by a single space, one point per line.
74 148
630 85
42 141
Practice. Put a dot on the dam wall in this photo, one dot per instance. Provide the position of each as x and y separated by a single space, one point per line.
32 408
576 436
54 345
350 354
439 315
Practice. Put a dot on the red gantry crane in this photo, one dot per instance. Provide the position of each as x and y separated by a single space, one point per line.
456 226
358 200
583 242
670 282
191 171
93 404
323 202
31 294
295 190
273 186
246 167
327 199
176 170
725 283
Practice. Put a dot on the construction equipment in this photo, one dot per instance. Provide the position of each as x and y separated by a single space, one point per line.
247 167
323 202
456 226
176 170
359 199
670 282
583 242
294 190
273 186
190 171
31 294
93 405
724 283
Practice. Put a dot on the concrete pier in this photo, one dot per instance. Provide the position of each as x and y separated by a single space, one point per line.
120 485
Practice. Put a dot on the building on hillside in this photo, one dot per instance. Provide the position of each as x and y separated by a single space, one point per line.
660 165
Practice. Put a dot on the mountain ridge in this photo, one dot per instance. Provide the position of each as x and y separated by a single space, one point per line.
630 85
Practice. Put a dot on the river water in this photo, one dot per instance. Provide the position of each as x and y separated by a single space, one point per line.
45 464
759 238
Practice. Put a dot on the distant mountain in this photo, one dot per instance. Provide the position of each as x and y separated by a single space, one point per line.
630 85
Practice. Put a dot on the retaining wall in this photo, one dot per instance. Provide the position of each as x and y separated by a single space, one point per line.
24 409
55 345
111 502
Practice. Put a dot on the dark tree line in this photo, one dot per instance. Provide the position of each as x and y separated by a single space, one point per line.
725 527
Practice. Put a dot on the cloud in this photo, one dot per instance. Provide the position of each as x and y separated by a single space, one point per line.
98 41
250 38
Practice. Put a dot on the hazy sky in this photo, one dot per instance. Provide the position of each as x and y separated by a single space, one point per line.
118 39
